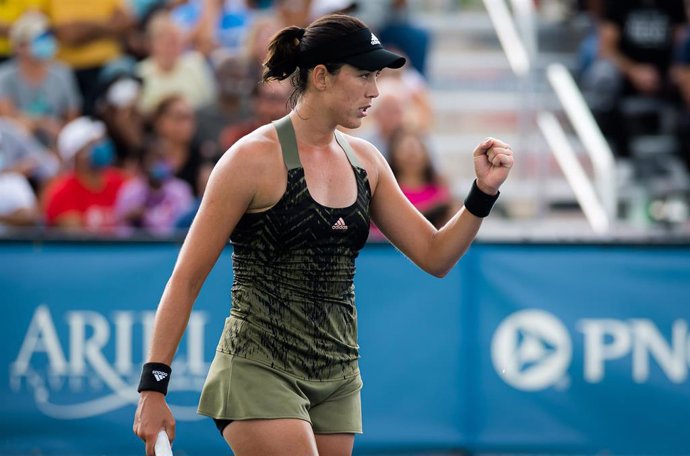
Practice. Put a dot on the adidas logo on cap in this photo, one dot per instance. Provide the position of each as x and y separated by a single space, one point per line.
159 375
374 40
340 224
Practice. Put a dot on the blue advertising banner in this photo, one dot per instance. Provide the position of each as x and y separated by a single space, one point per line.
582 349
77 321
538 348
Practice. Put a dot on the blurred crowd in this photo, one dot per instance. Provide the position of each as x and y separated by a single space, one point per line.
114 112
634 70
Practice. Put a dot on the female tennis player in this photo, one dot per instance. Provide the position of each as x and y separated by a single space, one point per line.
296 198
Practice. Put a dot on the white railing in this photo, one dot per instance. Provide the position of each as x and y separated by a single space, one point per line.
588 131
508 36
574 173
598 202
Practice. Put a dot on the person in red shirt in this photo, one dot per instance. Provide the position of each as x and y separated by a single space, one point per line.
84 197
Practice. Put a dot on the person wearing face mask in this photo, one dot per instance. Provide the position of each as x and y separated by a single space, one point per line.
154 200
116 107
10 11
84 197
37 92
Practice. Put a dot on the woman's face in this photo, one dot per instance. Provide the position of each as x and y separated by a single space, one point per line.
167 44
350 94
178 122
410 155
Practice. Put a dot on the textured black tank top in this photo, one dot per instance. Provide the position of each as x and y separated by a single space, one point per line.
293 301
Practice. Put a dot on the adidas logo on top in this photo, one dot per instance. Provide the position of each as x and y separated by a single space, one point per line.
340 224
159 375
374 40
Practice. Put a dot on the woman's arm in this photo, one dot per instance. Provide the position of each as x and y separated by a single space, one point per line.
82 32
436 251
230 192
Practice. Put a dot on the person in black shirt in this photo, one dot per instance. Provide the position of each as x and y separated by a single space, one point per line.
636 44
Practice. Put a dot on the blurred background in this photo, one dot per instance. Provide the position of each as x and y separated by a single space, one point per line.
564 330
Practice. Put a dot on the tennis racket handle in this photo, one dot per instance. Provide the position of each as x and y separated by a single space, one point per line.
162 447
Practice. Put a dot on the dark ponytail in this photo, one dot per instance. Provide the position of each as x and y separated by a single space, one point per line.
282 54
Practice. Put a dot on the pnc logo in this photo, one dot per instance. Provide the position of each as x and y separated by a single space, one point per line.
531 350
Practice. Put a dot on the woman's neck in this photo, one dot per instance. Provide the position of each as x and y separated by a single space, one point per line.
164 64
33 70
91 179
177 152
311 126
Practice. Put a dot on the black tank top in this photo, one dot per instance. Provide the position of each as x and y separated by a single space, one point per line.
293 301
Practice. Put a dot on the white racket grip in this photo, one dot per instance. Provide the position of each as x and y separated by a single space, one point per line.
162 447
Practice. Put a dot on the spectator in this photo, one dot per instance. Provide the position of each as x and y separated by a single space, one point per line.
155 199
388 116
117 107
9 13
592 12
90 36
172 70
136 43
84 198
35 91
186 219
232 104
18 206
24 155
269 103
412 87
174 127
636 42
400 32
413 168
215 24
258 37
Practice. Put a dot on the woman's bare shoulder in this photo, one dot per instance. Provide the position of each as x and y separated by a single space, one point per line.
255 151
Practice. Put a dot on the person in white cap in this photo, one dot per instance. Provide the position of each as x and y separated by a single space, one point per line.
37 92
84 198
18 205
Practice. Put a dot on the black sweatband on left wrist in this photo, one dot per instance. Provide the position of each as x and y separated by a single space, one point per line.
155 377
479 203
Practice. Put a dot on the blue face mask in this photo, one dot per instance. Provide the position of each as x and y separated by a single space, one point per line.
102 154
160 171
43 47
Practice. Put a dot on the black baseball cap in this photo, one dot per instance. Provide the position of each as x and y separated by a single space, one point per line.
361 49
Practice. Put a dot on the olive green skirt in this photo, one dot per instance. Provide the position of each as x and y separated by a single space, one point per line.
242 389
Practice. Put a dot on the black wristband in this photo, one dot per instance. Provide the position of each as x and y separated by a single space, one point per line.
155 377
479 203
